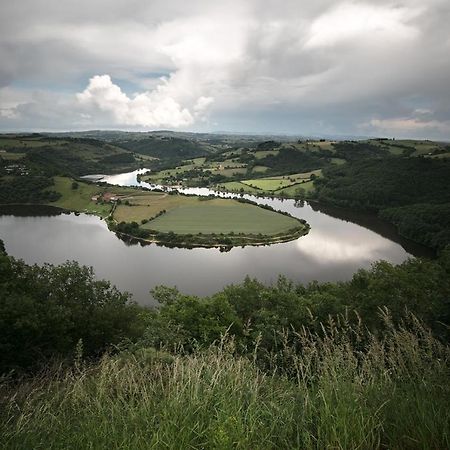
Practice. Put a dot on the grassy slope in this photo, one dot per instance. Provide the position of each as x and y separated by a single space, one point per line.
260 154
80 199
147 205
287 185
394 395
268 184
290 191
221 216
260 169
237 186
7 156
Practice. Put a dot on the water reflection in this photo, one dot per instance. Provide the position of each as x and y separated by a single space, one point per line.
333 250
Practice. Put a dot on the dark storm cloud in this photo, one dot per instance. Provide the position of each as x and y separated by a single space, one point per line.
349 67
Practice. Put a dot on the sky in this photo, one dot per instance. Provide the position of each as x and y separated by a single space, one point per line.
322 67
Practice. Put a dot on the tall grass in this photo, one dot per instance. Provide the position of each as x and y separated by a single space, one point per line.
342 389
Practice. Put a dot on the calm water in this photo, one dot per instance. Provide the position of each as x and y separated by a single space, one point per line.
333 250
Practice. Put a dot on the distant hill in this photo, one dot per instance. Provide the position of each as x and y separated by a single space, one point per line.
164 147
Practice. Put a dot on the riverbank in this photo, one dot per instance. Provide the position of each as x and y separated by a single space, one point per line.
214 241
173 218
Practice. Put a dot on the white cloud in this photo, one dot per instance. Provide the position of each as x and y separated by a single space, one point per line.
253 65
353 21
402 125
148 109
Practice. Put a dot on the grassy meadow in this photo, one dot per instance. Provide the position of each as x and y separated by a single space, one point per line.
193 215
332 395
268 184
11 157
221 216
145 205
80 199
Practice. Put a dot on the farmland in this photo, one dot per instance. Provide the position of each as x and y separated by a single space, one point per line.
80 198
143 213
202 219
221 216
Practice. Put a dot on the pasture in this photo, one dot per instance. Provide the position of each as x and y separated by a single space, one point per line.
80 199
221 216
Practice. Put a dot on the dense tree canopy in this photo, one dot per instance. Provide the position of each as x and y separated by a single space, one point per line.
45 311
412 193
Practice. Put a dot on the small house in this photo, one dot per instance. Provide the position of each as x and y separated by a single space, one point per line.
110 197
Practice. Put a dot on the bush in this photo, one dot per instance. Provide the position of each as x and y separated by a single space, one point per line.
45 311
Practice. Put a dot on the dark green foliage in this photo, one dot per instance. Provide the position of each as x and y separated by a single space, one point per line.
132 229
164 148
355 151
68 159
425 223
412 193
71 156
374 184
252 311
45 311
290 160
30 189
268 145
119 158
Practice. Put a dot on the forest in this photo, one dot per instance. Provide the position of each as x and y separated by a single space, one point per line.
412 193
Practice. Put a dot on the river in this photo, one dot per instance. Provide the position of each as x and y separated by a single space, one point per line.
338 244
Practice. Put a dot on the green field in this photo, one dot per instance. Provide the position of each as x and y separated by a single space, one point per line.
180 214
268 184
325 145
441 155
237 186
80 199
197 161
337 161
9 156
260 169
260 154
292 190
231 171
145 205
275 184
221 216
7 142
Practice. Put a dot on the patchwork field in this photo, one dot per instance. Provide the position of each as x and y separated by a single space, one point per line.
275 184
242 223
146 205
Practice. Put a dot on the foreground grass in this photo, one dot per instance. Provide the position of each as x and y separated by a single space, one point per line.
347 390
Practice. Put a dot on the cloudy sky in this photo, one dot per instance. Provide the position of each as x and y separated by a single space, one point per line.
306 67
